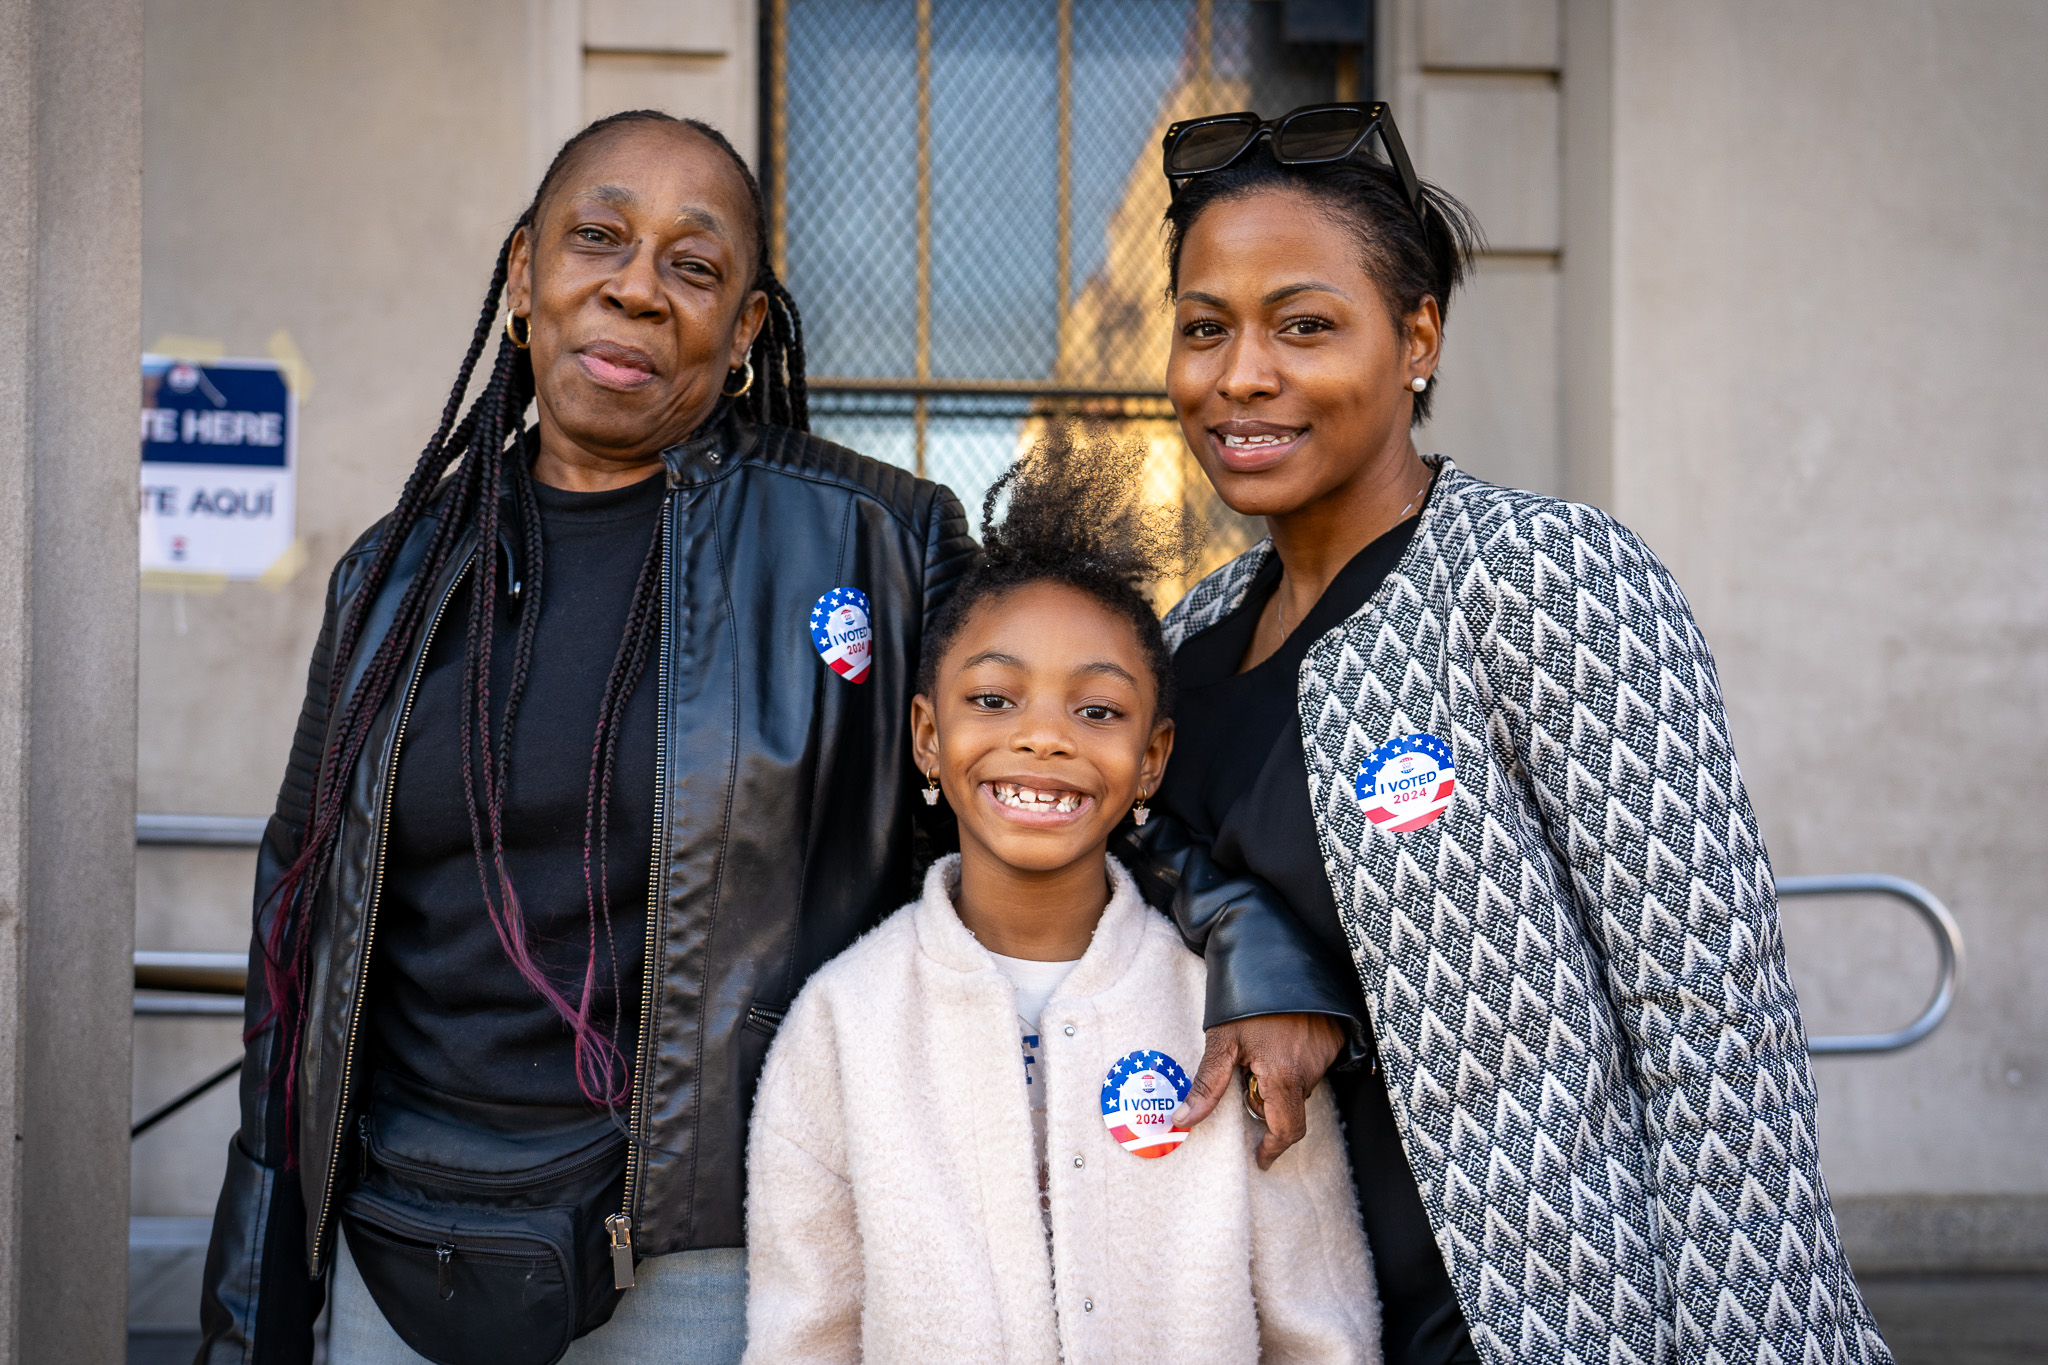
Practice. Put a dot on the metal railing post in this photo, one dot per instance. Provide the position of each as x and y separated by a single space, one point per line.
1948 941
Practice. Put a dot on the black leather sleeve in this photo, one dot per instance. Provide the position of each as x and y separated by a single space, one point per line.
257 1304
1260 958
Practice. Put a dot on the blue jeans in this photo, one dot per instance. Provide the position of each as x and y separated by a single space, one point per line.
686 1309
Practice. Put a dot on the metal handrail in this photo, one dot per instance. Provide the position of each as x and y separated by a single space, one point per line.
164 1111
205 981
201 831
212 984
187 1007
1948 940
210 973
203 985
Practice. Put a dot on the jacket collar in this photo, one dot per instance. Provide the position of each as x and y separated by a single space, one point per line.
1111 948
723 443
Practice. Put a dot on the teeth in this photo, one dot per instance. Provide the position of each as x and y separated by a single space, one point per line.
1031 799
1253 442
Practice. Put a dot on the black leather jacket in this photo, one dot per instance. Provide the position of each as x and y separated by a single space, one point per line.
784 830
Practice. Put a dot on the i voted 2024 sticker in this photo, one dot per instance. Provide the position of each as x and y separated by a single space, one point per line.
1138 1099
1406 782
843 634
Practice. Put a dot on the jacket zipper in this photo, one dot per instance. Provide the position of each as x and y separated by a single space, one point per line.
620 1224
348 1054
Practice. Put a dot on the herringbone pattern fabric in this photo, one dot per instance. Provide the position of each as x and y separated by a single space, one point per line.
1576 974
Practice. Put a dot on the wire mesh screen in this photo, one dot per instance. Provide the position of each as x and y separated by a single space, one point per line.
967 206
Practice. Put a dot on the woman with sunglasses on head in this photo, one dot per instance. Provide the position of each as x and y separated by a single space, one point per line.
1473 739
575 806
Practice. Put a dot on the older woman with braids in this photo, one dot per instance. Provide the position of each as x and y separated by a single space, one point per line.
1473 738
604 749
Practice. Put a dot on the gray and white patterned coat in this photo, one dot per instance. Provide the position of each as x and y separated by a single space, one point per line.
1576 975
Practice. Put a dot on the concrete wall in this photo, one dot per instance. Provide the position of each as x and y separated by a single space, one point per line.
340 174
698 58
70 212
1766 282
1477 91
1827 312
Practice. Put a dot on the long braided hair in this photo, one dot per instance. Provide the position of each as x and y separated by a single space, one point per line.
487 447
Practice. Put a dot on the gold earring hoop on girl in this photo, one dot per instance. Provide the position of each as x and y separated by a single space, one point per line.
931 791
512 332
748 383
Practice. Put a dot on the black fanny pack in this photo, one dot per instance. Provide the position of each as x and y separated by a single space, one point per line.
484 1231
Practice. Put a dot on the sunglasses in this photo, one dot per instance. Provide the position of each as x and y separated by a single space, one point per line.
1309 136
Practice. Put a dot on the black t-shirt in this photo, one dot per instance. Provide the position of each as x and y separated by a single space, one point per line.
446 1005
1239 782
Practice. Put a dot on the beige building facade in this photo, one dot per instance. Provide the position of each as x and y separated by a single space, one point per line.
1762 280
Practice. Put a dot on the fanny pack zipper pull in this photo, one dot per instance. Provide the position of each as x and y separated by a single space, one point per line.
362 1147
444 1254
621 1228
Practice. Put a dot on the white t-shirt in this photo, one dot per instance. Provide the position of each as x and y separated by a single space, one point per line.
1034 983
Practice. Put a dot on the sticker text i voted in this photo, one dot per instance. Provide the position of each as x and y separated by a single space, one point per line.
843 634
1138 1099
1406 782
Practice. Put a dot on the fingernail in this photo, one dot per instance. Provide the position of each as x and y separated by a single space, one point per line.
1180 1116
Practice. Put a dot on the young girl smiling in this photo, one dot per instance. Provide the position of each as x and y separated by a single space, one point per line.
916 1190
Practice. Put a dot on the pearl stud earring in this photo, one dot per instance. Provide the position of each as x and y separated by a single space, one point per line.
1419 383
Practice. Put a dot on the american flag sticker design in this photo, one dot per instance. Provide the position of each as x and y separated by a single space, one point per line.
1406 782
1138 1099
840 629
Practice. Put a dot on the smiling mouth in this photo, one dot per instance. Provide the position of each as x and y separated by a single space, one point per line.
1248 452
1038 805
1032 799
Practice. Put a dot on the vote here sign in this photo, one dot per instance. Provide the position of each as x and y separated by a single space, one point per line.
219 461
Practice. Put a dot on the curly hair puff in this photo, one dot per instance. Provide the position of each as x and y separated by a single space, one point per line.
1075 515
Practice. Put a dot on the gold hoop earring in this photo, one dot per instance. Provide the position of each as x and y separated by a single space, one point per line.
512 333
741 391
931 791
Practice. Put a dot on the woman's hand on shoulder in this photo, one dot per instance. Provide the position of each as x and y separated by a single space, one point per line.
1287 1053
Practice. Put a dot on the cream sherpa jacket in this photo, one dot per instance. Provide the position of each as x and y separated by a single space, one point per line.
893 1206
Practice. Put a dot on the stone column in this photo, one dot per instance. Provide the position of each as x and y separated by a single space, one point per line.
70 286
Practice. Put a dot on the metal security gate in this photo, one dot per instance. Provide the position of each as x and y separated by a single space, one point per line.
965 198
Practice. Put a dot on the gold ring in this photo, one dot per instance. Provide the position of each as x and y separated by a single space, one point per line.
1254 1103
